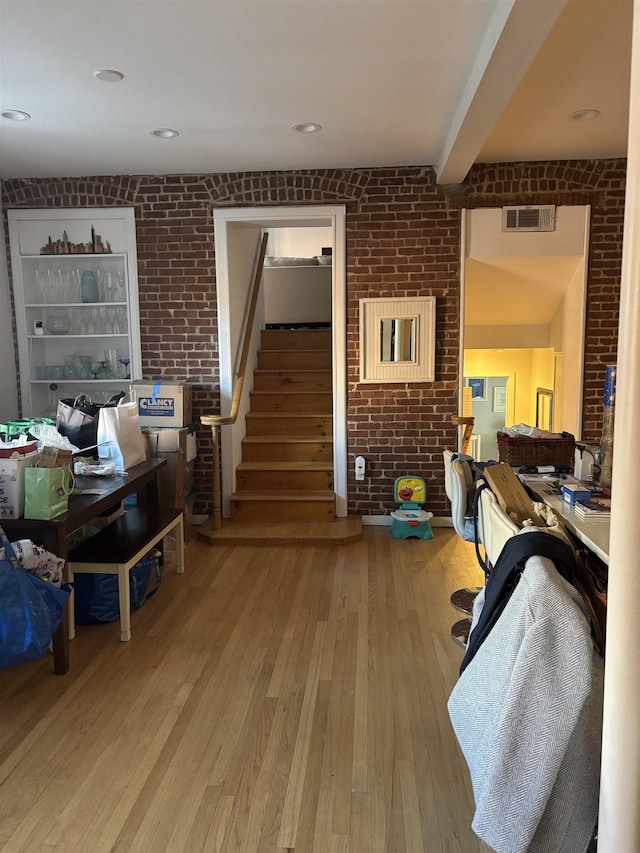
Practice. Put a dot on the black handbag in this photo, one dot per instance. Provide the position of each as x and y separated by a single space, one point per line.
77 419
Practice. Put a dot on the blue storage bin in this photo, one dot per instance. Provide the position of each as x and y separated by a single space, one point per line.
96 595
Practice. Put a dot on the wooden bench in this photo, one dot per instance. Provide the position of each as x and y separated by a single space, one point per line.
120 545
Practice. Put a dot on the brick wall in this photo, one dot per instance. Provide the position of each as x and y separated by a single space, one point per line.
403 235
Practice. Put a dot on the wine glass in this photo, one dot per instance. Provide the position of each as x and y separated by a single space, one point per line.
126 361
96 368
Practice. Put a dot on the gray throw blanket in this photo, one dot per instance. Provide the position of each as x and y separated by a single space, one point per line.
527 712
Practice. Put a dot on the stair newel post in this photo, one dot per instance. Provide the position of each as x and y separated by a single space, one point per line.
217 487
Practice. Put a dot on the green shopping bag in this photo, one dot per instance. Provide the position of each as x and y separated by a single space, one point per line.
46 492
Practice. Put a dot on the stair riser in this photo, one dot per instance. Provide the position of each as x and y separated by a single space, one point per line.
283 339
291 381
321 425
284 480
287 452
321 403
263 510
292 360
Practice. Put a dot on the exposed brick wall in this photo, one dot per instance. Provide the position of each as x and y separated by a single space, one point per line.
403 234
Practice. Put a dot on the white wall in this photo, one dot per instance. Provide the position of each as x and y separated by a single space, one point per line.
297 294
485 239
505 337
241 244
9 373
306 242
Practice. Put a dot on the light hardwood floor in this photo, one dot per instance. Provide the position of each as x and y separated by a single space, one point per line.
272 699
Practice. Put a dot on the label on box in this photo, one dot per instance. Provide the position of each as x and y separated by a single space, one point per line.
9 497
571 494
157 407
12 485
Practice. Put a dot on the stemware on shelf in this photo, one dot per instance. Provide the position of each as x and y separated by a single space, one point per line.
97 367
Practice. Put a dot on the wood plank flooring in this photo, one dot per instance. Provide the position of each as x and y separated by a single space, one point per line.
283 699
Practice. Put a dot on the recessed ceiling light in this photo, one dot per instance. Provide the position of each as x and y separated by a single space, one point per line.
15 115
164 132
306 127
108 75
585 115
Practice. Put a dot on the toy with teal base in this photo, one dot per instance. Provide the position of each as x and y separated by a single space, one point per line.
410 520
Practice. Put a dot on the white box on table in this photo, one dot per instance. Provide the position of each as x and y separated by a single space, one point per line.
12 484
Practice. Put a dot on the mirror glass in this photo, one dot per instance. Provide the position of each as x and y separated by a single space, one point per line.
397 339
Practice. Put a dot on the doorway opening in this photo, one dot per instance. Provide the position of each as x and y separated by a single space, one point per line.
238 232
523 306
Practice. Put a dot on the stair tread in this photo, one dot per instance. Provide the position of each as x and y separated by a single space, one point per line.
284 465
341 530
288 439
292 370
290 495
288 414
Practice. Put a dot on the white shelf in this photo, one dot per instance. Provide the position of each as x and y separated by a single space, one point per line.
44 283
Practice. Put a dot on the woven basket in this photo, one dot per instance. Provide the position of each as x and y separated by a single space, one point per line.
536 451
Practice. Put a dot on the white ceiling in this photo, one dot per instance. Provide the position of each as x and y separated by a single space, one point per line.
392 82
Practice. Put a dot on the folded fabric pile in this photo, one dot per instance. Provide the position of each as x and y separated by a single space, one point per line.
43 564
527 431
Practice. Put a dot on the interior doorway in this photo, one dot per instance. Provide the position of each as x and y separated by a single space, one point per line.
523 306
488 408
238 232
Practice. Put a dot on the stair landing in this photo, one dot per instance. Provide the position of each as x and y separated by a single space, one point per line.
338 532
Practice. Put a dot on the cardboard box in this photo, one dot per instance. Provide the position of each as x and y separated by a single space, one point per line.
174 478
163 404
511 494
171 440
12 485
572 493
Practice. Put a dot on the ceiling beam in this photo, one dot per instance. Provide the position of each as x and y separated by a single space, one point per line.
514 36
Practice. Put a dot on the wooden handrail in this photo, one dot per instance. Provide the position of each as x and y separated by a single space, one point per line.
216 421
467 432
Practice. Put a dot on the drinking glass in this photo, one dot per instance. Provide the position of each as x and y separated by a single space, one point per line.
43 285
111 362
96 368
85 366
71 367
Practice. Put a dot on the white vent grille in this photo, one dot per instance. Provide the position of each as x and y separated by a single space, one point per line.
532 217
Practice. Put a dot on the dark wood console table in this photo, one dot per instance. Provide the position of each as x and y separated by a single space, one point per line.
52 535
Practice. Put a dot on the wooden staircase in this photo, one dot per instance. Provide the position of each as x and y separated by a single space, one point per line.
286 473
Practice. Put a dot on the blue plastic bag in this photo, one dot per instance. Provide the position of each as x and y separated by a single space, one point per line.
96 595
30 610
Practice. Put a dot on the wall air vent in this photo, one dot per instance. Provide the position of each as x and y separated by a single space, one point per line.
531 217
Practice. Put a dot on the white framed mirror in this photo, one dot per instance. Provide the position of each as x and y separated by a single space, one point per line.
397 339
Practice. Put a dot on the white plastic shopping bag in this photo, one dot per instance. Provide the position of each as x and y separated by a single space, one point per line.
120 439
